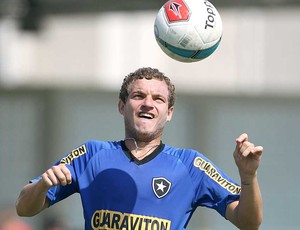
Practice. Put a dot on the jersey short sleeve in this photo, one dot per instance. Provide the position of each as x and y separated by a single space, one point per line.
214 189
76 161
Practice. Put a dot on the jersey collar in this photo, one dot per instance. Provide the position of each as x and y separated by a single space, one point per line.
148 158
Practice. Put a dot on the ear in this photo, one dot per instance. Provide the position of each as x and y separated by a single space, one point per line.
121 106
170 113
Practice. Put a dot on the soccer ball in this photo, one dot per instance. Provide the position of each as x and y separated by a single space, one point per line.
188 30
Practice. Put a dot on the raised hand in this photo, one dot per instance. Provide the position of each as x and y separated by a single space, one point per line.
247 156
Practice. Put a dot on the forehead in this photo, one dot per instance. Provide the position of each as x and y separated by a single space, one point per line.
152 85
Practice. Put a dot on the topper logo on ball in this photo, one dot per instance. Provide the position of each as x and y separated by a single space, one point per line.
211 15
177 11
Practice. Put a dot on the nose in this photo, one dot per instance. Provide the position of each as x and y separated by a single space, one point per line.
148 101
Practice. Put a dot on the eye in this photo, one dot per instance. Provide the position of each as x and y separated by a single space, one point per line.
137 96
160 100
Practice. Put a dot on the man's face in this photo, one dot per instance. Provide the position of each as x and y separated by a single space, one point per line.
146 109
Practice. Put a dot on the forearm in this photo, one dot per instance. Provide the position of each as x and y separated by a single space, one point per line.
32 199
249 211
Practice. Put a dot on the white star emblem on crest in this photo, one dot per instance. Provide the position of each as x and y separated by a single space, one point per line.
161 186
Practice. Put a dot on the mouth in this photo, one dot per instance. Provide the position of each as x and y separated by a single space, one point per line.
146 115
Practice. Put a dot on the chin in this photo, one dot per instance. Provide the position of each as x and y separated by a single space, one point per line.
148 136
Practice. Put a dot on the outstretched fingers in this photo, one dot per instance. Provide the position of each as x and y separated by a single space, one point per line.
247 156
244 147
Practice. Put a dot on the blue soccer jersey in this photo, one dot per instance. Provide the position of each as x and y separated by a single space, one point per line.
159 192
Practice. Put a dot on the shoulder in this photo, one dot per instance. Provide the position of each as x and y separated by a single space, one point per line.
192 159
180 152
184 155
95 145
88 149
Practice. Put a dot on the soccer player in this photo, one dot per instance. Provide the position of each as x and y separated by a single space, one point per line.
142 183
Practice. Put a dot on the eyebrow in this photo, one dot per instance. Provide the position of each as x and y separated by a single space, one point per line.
143 92
137 91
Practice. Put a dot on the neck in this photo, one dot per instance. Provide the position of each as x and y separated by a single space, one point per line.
141 149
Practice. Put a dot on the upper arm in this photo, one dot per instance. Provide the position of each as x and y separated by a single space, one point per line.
231 213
